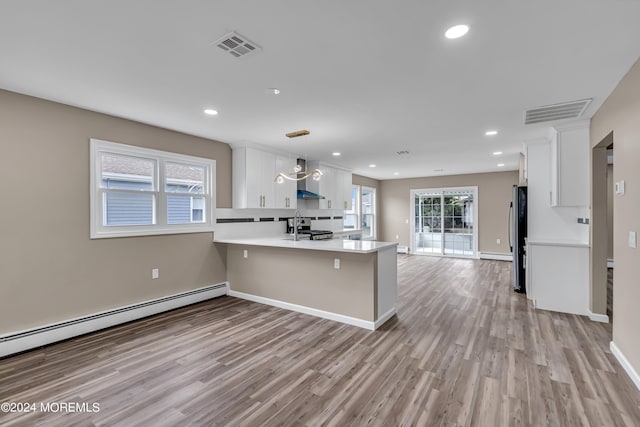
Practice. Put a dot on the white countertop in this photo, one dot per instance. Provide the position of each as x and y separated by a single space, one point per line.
333 245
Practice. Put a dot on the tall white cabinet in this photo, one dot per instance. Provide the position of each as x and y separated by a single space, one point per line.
557 244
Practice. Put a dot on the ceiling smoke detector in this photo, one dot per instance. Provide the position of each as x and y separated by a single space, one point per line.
237 45
547 113
297 133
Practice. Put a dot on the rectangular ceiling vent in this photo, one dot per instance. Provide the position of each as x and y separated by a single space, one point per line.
547 113
402 152
237 45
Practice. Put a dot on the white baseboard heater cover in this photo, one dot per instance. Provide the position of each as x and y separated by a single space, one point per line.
25 340
403 249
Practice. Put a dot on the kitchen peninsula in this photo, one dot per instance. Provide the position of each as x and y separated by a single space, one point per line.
349 281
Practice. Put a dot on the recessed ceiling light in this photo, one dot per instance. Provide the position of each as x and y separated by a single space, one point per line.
491 132
273 91
335 154
497 153
500 165
372 165
438 170
456 31
396 173
210 112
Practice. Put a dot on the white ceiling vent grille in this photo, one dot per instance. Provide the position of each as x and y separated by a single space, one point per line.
237 45
547 113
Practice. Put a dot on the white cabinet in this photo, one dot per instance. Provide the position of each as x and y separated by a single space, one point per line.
570 166
558 276
254 172
347 183
285 193
332 185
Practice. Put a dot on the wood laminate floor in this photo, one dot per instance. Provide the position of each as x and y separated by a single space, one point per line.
463 350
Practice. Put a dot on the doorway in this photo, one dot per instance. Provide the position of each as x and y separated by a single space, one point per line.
601 237
444 221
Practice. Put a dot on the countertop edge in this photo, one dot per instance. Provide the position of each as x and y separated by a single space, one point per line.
319 245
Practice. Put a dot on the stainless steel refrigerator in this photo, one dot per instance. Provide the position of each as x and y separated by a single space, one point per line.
517 236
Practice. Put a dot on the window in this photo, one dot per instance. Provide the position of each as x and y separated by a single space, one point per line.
138 191
362 213
351 216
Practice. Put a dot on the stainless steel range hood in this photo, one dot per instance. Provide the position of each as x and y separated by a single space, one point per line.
303 192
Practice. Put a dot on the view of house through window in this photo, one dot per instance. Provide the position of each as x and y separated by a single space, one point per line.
141 191
362 212
444 221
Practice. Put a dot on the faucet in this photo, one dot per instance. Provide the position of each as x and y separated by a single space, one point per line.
296 223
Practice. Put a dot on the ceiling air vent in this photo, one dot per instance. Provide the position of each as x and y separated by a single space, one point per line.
547 113
237 45
402 152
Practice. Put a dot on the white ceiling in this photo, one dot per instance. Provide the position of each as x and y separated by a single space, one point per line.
368 78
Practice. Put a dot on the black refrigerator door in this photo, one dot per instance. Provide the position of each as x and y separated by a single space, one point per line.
518 229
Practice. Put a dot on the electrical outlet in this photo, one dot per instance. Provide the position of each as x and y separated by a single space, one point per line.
498 241
155 273
633 242
336 263
397 237
245 253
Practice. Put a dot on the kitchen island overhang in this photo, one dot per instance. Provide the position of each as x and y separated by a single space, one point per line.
349 281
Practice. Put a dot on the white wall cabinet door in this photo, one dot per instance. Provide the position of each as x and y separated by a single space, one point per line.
570 166
347 182
285 193
253 178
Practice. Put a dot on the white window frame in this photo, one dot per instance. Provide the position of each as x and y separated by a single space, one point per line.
412 209
357 209
374 226
160 226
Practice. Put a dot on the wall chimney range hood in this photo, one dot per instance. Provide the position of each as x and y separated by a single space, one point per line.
303 192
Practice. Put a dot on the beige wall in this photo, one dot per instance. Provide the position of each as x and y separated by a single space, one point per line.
494 195
49 268
621 114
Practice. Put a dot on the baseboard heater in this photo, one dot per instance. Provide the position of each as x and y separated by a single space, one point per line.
403 249
496 256
25 340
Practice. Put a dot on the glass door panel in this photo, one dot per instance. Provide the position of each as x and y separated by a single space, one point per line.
428 223
458 222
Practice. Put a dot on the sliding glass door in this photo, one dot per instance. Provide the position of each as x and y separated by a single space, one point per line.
444 221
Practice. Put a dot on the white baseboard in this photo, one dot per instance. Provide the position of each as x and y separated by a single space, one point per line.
495 256
602 318
366 324
15 342
625 364
403 249
386 316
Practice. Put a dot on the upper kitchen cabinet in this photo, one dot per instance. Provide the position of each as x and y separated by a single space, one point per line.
570 165
253 174
334 185
253 180
285 194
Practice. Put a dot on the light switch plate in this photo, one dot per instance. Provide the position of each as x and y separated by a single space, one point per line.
633 242
620 188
